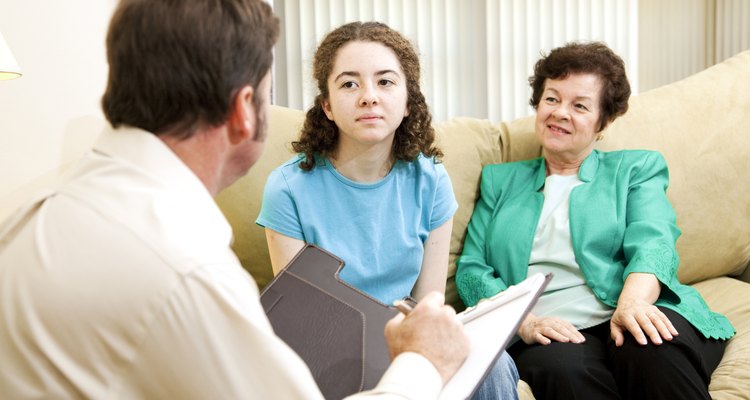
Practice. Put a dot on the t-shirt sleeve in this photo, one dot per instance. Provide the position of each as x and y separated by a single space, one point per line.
279 209
445 204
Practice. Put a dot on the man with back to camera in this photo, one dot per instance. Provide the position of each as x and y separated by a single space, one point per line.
121 282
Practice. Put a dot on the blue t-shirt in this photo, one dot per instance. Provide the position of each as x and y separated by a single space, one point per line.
378 229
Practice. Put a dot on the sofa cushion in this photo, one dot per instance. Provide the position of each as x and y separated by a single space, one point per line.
468 144
729 296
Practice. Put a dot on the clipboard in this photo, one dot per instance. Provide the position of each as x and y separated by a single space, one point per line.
337 330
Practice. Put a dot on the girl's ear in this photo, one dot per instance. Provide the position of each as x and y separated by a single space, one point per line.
327 109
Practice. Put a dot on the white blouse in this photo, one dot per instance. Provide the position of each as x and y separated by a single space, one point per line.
567 296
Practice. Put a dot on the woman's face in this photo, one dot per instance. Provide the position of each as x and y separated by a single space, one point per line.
367 94
567 117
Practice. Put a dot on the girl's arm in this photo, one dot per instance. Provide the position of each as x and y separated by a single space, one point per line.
434 271
282 249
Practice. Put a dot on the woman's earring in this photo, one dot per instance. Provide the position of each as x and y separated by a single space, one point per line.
600 137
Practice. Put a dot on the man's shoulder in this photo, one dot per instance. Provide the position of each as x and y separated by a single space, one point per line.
178 223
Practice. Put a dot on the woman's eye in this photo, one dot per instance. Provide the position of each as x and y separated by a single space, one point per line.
386 82
582 107
550 100
348 85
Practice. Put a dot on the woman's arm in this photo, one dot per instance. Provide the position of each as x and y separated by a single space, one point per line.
651 231
434 271
475 278
282 249
649 247
637 313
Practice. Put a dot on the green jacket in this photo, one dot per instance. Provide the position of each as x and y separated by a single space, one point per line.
620 222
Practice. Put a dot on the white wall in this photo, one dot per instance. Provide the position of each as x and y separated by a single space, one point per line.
50 115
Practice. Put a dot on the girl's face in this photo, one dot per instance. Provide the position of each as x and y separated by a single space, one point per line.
367 95
567 117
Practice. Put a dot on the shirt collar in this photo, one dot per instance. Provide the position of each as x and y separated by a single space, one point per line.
586 173
146 152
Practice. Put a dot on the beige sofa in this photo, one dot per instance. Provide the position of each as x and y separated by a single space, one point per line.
700 124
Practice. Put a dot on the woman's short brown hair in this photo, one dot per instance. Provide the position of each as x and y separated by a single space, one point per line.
176 64
415 134
588 58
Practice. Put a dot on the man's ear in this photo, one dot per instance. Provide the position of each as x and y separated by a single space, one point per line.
242 117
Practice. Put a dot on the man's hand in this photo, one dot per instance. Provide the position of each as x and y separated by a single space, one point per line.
432 330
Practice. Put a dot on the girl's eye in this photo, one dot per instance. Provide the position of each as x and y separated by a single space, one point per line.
348 85
386 82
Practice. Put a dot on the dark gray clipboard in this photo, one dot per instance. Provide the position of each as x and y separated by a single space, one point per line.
336 329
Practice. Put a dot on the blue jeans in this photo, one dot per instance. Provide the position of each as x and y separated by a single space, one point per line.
501 382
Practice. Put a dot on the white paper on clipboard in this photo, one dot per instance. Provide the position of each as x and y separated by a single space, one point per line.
490 325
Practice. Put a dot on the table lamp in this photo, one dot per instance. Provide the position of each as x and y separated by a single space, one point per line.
9 68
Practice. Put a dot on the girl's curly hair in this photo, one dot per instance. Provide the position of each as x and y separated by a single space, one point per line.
415 134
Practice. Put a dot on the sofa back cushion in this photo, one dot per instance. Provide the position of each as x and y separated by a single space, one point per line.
241 201
700 126
468 144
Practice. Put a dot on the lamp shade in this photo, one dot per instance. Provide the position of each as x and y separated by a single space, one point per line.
9 68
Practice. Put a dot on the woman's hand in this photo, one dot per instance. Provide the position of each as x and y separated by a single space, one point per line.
544 330
642 319
637 314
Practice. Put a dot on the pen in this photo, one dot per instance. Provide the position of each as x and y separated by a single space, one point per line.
402 306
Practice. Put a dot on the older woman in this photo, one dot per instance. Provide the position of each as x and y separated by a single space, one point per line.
615 322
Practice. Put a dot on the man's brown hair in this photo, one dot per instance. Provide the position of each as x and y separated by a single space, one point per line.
177 64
